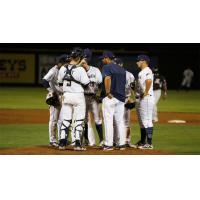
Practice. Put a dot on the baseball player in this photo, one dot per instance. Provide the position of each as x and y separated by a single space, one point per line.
73 78
53 98
113 91
128 101
187 78
92 105
145 98
159 86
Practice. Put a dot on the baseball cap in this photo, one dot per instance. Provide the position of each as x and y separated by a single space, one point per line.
62 58
87 54
143 58
107 54
118 61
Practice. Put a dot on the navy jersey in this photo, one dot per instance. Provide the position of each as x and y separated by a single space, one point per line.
118 80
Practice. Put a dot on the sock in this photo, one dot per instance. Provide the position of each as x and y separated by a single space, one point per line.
86 132
149 135
143 135
99 131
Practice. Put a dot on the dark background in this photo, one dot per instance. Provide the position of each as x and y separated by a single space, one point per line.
171 59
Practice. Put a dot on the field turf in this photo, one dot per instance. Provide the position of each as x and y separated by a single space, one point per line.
173 138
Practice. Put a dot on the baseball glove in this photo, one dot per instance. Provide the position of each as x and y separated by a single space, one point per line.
130 105
52 99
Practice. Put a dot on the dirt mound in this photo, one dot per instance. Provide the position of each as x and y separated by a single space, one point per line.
46 150
37 116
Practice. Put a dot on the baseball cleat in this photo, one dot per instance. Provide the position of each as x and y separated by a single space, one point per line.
79 148
122 147
53 144
62 147
129 145
137 145
101 144
107 148
146 146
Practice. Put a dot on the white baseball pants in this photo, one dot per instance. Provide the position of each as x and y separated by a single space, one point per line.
157 95
113 109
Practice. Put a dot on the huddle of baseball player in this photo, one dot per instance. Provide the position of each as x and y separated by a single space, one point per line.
74 87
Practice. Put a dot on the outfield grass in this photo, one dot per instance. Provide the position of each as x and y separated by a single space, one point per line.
181 102
34 98
178 139
22 98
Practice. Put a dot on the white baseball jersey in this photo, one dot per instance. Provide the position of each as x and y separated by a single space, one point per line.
79 74
129 80
95 77
144 75
52 78
188 74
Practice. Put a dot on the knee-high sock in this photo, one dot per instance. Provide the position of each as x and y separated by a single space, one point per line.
143 135
86 132
149 135
99 131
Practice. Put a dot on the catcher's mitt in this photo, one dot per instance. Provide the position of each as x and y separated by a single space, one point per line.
52 99
130 105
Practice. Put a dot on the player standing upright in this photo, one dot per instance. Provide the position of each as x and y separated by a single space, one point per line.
146 102
159 86
187 78
54 97
73 78
91 91
113 93
128 101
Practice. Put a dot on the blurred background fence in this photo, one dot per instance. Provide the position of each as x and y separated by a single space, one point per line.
26 64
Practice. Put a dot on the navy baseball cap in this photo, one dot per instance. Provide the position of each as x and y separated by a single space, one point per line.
87 54
118 61
143 58
62 58
107 54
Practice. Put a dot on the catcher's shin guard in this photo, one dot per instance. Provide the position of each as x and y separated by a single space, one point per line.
79 128
64 131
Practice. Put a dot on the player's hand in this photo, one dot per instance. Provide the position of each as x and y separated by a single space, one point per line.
144 95
109 95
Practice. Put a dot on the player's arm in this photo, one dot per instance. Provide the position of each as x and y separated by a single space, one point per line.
46 79
83 77
107 83
107 74
148 84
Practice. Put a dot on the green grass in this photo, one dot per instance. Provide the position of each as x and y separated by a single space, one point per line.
23 135
34 98
181 102
22 98
177 139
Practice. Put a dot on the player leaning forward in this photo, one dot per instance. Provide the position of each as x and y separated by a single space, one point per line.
54 97
73 78
146 102
92 104
114 78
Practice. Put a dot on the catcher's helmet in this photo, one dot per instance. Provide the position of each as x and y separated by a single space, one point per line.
77 53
